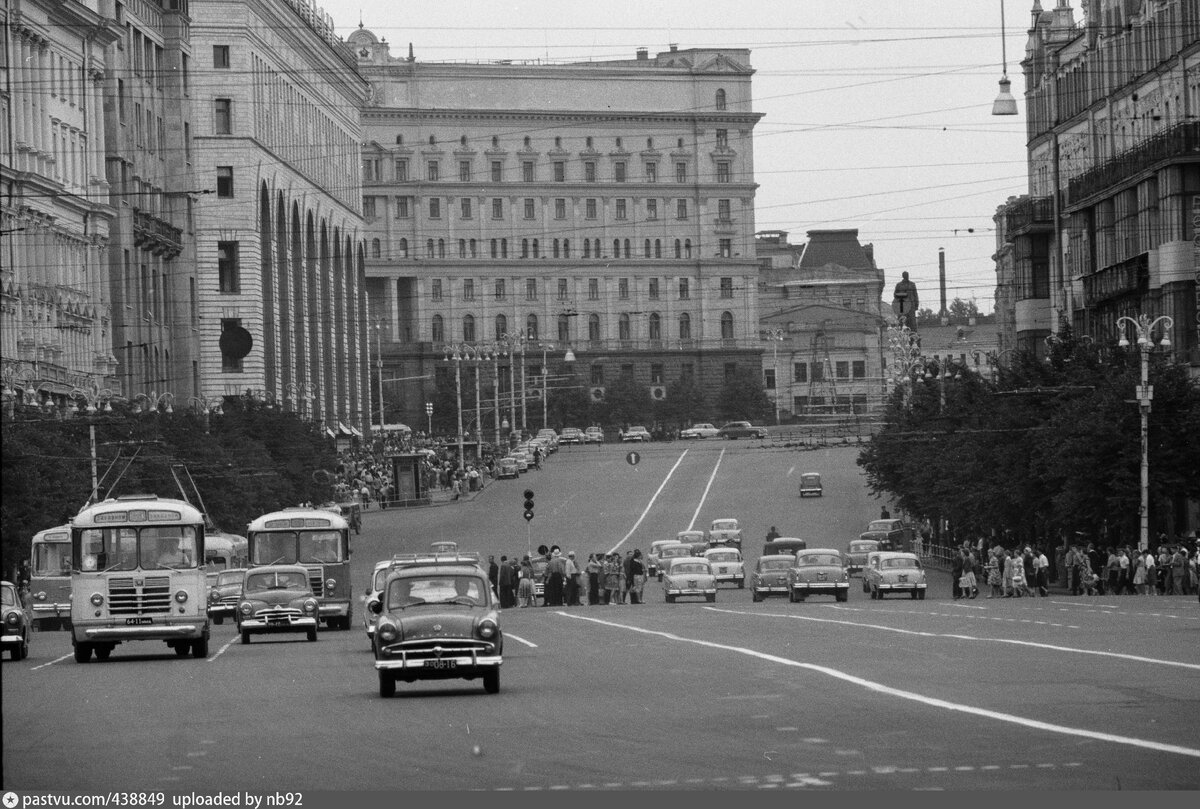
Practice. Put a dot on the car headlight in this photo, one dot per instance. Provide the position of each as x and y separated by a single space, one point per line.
387 633
330 584
213 596
14 619
40 595
310 606
488 629
244 608
97 599
181 596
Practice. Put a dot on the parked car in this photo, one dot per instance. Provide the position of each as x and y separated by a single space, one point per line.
724 531
770 576
16 622
437 620
507 467
669 551
571 435
548 435
818 571
891 572
788 545
638 433
687 577
522 460
741 429
810 483
856 555
700 431
593 435
224 594
277 598
696 539
727 565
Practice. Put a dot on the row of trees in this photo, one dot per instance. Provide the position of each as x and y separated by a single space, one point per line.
1046 447
251 460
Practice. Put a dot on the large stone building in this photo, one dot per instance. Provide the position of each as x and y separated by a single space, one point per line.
824 323
606 207
1108 228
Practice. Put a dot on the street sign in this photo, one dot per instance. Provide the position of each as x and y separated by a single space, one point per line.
633 458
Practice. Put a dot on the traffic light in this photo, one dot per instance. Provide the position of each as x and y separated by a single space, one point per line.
528 504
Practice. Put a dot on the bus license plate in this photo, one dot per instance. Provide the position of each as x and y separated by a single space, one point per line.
441 664
135 621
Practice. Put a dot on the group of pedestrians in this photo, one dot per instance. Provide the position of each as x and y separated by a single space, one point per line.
1125 571
606 578
1007 572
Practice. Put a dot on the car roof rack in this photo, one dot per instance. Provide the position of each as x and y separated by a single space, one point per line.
414 559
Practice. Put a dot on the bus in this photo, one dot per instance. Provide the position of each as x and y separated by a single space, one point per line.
136 574
317 539
50 578
224 552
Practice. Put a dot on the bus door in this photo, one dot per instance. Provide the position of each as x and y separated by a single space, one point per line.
50 578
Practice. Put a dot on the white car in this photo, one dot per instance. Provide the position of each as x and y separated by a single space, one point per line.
636 434
725 531
688 577
571 435
700 431
593 435
889 572
727 565
548 435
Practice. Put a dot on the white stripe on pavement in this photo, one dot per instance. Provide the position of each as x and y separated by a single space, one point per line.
519 639
909 695
52 662
707 486
650 504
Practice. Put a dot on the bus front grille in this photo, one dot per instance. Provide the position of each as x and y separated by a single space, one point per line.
316 580
126 597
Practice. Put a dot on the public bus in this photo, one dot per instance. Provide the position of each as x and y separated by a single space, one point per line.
137 574
224 552
317 539
50 577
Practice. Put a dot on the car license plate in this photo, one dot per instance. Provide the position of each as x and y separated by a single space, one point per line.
138 621
724 569
903 577
441 664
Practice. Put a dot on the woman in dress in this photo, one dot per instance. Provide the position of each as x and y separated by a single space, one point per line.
525 588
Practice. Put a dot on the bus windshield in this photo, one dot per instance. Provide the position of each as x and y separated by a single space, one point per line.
320 547
164 547
52 558
275 548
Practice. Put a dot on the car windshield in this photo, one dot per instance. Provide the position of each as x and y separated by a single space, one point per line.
320 547
470 591
728 556
863 547
774 564
881 525
813 559
276 580
8 595
725 525
229 577
669 553
811 478
901 562
688 568
690 536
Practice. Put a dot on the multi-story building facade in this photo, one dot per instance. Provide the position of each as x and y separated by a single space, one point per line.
1108 228
606 207
278 302
823 321
55 324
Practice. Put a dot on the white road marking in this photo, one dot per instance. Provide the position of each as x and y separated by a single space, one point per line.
900 693
520 639
651 503
1107 610
790 471
707 486
52 662
952 615
919 633
221 650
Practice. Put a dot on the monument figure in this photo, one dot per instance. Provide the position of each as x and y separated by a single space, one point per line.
905 302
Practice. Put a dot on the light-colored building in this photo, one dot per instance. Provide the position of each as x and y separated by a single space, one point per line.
823 322
55 324
606 207
278 305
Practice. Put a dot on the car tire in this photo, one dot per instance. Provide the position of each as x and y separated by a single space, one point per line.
791 596
387 684
742 584
756 596
218 619
245 637
843 596
21 650
312 635
182 649
491 681
920 595
83 652
670 599
200 648
712 599
914 594
866 587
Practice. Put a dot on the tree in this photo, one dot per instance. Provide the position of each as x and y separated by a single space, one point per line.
743 398
625 402
683 406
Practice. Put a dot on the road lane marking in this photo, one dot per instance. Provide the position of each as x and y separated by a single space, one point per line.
900 693
519 639
52 662
707 486
650 505
1107 610
222 650
955 616
955 636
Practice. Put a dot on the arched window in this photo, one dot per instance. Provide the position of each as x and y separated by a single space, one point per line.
685 326
504 248
587 248
554 249
375 249
564 328
462 248
469 328
536 251
399 140
404 248
531 327
463 140
623 327
566 248
726 326
646 250
658 248
687 248
438 333
524 248
596 247
678 249
720 99
528 141
655 326
495 141
649 143
594 328
501 326
626 249
429 248
432 140
495 249
616 248
441 248
474 250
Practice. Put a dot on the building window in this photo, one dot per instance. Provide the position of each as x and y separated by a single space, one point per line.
562 289
818 372
429 248
589 209
468 326
465 205
596 372
620 211
531 289
594 330
496 171
560 171
623 327
431 170
462 248
464 171
687 248
658 248
560 209
589 171
531 327
720 100
656 330
501 326
435 289
651 172
681 172
843 369
646 249
727 287
527 171
652 209
619 171
722 138
564 329
524 248
497 208
401 171
500 292
623 289
859 369
730 372
723 211
593 289
653 292
368 205
227 267
403 248
684 292
468 289
402 208
723 173
769 378
370 170
230 363
725 250
528 208
221 56
681 209
224 181
435 208
800 371
685 326
223 116
726 326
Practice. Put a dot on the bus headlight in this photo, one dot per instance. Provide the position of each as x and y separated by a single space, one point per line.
40 595
181 596
330 584
96 599
310 606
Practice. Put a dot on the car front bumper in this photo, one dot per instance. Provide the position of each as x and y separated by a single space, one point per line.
51 611
730 577
288 624
335 609
821 585
11 639
222 611
692 591
462 663
118 632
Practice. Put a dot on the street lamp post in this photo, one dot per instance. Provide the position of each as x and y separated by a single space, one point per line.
515 344
299 392
429 418
906 353
155 400
379 368
1144 329
775 336
207 406
568 357
497 352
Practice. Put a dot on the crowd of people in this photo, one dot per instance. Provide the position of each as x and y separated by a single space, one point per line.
605 578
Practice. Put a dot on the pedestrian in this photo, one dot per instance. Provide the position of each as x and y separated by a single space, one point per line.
493 572
627 579
967 583
1112 571
612 579
637 570
884 514
994 575
1179 572
1139 573
572 578
504 583
1151 572
556 571
594 571
525 587
956 574
772 534
1041 569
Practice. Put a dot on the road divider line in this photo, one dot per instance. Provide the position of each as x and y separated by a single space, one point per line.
707 486
52 662
912 696
519 639
222 650
954 636
650 505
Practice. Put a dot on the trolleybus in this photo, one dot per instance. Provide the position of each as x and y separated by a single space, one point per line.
317 539
136 574
50 577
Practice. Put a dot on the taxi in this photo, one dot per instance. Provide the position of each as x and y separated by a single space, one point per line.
670 551
277 598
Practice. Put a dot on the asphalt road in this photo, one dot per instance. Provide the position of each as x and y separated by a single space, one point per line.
1047 693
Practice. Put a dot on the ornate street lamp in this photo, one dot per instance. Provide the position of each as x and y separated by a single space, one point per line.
429 418
209 407
153 401
300 393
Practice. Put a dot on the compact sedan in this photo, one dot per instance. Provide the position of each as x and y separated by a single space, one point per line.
437 621
770 576
224 595
689 577
16 622
699 431
741 429
571 435
670 551
696 539
507 467
856 556
818 571
277 598
727 565
725 532
638 434
888 572
593 435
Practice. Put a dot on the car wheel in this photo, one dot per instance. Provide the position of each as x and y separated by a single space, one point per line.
842 596
312 634
756 596
670 599
200 648
387 684
914 595
866 587
245 636
742 584
218 619
921 595
21 650
181 649
491 681
712 598
83 652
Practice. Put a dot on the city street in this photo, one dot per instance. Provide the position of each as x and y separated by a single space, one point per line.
1036 693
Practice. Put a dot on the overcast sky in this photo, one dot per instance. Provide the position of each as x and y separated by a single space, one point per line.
877 112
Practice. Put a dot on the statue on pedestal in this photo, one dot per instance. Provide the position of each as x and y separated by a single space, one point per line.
905 302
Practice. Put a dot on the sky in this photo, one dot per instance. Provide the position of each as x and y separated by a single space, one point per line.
877 113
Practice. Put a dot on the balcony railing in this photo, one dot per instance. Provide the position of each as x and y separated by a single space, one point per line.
1131 275
156 235
1025 213
1178 141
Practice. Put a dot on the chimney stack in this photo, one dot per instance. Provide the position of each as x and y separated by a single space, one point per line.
944 314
